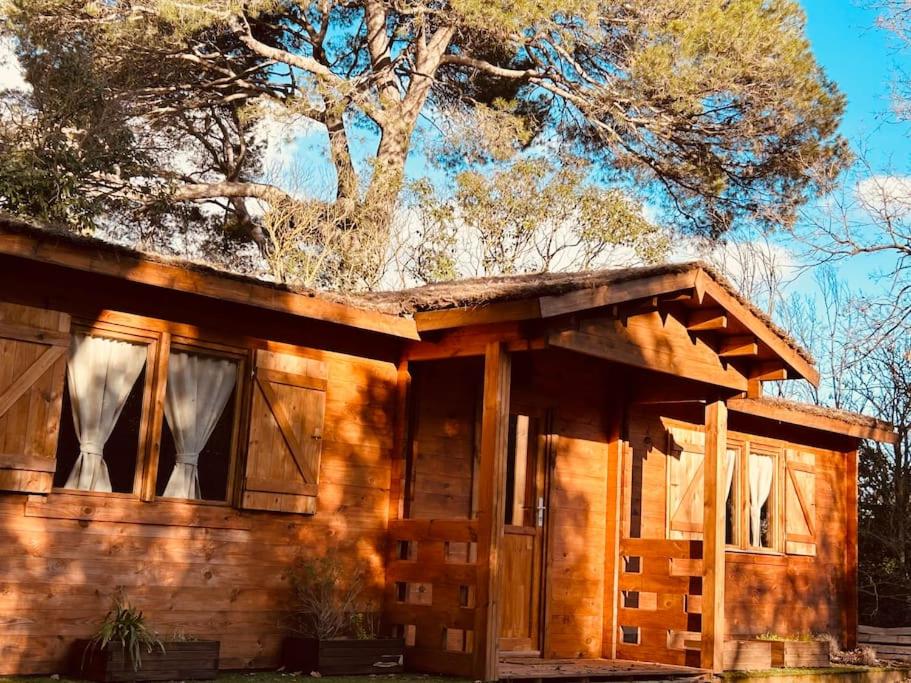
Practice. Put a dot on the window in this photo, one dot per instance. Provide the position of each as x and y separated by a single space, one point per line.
754 509
761 484
732 504
520 471
198 428
122 385
103 399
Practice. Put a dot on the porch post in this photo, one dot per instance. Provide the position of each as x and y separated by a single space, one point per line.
491 508
716 436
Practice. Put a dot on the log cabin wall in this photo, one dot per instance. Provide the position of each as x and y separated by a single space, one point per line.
801 591
445 438
197 569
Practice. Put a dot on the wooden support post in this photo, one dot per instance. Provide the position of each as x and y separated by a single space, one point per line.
850 611
716 436
491 508
401 443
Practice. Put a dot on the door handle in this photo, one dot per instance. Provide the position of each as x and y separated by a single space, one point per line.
539 512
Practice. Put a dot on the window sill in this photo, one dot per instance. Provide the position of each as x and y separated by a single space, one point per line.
90 506
751 555
193 501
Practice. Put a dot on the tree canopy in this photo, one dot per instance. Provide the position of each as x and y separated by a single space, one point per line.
714 112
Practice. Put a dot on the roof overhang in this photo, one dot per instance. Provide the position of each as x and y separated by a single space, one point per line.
805 416
94 256
711 310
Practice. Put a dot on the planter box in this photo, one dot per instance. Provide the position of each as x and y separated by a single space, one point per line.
747 655
344 657
757 655
181 660
792 654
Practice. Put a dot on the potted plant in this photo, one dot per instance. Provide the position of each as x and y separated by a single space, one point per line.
125 649
334 631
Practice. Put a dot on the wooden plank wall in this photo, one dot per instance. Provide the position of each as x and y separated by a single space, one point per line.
445 436
784 594
202 570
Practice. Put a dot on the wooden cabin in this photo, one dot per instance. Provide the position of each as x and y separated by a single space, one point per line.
558 466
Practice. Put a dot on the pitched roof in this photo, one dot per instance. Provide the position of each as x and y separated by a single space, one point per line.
474 293
389 312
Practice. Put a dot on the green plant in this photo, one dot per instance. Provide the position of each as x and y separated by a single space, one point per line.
124 625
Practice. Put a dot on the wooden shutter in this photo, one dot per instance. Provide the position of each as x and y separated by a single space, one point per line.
286 430
686 457
800 502
33 349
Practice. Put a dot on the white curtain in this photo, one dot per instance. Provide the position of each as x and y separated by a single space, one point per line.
100 373
762 467
729 472
198 389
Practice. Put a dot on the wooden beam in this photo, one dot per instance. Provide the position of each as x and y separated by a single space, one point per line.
712 641
707 320
762 330
615 293
738 347
804 418
401 444
133 266
473 342
769 372
509 311
754 388
491 508
620 346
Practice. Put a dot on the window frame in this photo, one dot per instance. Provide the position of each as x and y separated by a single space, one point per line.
776 516
737 493
159 340
204 348
152 343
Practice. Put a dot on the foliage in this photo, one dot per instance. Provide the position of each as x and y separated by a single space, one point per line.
713 111
327 600
530 216
124 625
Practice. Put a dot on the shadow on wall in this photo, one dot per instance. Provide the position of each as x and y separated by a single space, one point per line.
196 569
774 593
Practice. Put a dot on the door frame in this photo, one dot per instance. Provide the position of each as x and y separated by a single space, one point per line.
545 445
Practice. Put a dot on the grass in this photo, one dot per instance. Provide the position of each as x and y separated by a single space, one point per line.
275 677
838 669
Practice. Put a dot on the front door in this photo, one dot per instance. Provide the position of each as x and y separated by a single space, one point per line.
521 549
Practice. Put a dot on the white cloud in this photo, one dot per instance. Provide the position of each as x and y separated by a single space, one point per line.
885 195
12 75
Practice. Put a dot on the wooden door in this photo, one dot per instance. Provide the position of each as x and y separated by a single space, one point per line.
521 549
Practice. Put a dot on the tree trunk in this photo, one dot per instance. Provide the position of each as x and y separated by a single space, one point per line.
388 173
347 186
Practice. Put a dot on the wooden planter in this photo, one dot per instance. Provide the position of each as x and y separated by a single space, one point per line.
747 655
181 660
344 657
811 654
755 655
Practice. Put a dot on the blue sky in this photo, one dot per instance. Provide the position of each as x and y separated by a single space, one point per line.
863 60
